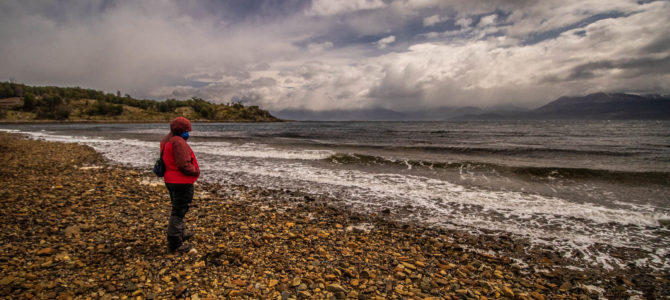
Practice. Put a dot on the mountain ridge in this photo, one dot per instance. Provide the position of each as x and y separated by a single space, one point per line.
596 106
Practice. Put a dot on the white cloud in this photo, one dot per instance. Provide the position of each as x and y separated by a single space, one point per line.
333 7
432 20
464 22
487 21
550 15
314 48
382 43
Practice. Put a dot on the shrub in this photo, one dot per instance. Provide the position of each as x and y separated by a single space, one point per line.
61 112
29 102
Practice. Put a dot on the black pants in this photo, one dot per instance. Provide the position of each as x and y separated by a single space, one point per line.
181 196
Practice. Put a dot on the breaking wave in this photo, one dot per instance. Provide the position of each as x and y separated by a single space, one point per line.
648 177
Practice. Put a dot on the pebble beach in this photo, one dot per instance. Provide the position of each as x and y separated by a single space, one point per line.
76 226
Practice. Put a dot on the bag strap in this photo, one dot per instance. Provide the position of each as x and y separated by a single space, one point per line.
163 148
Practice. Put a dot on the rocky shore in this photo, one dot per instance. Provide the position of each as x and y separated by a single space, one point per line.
75 227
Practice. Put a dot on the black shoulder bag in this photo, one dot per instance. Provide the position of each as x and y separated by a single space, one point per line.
159 166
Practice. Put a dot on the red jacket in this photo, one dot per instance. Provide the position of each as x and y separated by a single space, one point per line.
180 162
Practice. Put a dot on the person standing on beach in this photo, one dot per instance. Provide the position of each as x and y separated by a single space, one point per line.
181 171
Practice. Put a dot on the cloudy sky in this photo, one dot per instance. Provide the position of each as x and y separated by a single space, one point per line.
341 54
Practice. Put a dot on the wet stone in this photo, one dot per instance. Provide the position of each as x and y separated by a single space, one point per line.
335 288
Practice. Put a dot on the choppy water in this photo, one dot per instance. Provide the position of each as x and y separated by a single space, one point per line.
570 184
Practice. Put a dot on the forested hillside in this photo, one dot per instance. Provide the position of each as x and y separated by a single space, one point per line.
20 102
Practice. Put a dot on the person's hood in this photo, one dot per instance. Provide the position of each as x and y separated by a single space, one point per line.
180 125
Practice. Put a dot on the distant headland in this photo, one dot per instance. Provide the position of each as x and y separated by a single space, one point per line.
24 103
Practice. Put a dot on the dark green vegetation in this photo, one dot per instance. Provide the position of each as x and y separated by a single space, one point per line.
20 102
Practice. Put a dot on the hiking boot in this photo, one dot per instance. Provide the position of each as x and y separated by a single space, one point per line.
187 235
184 248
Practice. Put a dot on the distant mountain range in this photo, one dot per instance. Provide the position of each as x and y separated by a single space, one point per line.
599 106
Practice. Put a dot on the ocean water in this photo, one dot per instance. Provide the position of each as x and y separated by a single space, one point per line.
582 187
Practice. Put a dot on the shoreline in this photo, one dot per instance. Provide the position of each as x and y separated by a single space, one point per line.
74 215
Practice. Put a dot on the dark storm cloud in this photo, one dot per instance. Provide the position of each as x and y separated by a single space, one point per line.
660 45
341 54
623 68
247 10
